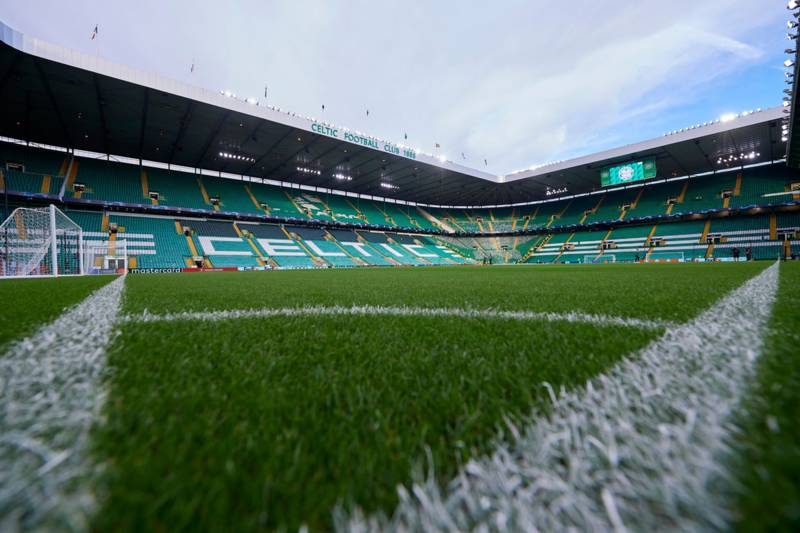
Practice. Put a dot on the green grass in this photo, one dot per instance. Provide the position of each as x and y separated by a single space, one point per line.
668 291
29 303
269 423
769 466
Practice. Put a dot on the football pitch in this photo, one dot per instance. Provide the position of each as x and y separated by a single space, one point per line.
453 398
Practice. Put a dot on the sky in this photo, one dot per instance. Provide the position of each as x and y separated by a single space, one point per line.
509 83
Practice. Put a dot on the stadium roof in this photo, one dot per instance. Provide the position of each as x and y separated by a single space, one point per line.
57 96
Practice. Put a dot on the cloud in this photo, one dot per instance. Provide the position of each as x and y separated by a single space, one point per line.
514 81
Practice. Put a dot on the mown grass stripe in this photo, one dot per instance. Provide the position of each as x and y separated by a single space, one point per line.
640 447
50 395
767 448
379 310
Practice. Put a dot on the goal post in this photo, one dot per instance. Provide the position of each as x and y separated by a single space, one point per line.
599 259
105 256
667 257
40 242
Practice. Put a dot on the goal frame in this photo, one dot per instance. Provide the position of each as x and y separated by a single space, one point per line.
94 252
52 245
597 259
677 256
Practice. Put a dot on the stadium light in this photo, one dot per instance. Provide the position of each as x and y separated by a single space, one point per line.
238 157
791 24
793 4
788 63
727 117
791 36
306 170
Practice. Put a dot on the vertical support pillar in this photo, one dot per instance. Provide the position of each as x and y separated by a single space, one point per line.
80 252
53 239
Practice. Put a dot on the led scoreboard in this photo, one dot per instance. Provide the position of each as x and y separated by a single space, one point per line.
629 172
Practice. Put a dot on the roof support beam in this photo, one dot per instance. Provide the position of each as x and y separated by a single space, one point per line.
27 115
187 116
54 103
211 138
101 109
302 148
392 174
268 151
340 161
143 127
705 156
12 65
248 136
323 177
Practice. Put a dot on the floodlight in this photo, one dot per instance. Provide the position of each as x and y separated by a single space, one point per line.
788 63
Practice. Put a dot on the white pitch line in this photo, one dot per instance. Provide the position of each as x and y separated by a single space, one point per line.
642 447
49 399
378 310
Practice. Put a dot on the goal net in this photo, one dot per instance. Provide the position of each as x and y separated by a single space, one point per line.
40 242
600 259
497 257
105 256
675 256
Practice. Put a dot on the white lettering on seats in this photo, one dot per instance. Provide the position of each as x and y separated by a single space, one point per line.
391 250
413 249
207 244
280 247
322 253
358 247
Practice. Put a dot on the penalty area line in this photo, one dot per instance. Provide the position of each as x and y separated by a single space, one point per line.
642 447
395 311
50 394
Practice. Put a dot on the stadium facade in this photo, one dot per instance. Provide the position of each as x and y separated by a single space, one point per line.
187 178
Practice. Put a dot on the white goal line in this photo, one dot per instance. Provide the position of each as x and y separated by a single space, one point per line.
395 311
643 447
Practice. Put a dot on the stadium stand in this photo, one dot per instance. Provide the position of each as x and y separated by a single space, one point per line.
277 201
176 188
358 248
278 245
316 242
231 194
152 242
106 180
372 213
223 243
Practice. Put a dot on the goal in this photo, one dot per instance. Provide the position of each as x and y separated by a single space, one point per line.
40 242
600 259
669 257
105 256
